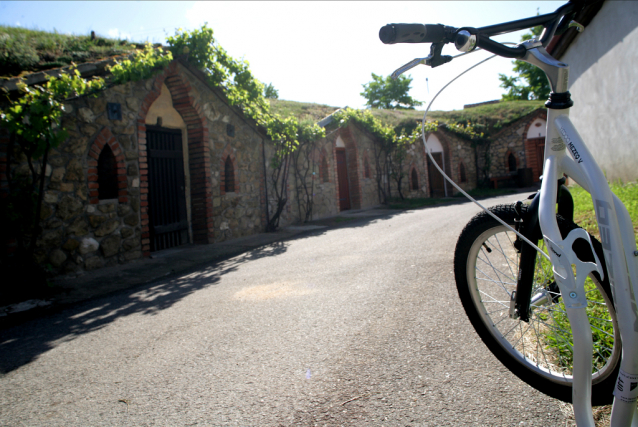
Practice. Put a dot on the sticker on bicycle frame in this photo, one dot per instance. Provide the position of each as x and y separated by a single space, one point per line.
558 144
626 387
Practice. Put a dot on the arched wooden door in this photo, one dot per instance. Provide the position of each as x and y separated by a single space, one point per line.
437 183
538 145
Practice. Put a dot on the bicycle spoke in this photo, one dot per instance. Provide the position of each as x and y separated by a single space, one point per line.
489 262
546 342
499 282
503 252
491 265
540 347
494 281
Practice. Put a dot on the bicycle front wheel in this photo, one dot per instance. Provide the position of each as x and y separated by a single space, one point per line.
539 351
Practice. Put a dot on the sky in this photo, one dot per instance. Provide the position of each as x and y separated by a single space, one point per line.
320 52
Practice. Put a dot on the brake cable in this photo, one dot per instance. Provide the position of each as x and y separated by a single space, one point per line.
427 149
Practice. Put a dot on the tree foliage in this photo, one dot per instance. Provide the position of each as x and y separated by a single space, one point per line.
270 91
389 94
530 83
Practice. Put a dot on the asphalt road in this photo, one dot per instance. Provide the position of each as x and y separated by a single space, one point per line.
359 325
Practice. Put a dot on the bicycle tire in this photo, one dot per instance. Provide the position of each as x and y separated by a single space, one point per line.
485 291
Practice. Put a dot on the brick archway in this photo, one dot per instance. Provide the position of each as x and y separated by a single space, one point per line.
532 147
198 156
447 165
105 137
352 159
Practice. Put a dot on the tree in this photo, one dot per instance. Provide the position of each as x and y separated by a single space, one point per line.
389 94
535 84
271 92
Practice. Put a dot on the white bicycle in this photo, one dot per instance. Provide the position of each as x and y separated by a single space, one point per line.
551 302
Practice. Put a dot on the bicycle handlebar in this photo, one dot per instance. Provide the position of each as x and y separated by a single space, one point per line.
438 33
411 33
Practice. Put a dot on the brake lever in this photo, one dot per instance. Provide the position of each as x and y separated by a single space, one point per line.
395 75
434 59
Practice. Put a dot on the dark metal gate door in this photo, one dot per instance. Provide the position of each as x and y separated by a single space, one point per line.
342 176
166 188
437 184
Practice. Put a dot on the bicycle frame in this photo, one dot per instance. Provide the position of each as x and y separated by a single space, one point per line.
616 230
619 249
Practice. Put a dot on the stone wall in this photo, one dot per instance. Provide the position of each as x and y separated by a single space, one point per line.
461 152
83 232
508 141
235 213
227 168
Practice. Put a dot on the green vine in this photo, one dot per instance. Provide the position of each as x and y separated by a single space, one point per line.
467 131
143 65
34 122
243 90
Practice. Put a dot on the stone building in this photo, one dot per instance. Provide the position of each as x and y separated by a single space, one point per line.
167 161
147 166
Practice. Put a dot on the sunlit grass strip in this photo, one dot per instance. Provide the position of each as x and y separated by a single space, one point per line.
584 214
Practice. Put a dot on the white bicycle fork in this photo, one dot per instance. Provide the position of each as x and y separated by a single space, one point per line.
619 247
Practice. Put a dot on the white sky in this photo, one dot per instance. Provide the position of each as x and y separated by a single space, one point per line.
320 52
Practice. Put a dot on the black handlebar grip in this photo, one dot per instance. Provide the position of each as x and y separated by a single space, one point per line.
411 33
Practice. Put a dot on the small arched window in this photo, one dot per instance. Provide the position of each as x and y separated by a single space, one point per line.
229 176
324 169
414 180
107 174
511 162
462 175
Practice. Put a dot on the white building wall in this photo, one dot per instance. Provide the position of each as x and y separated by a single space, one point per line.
604 86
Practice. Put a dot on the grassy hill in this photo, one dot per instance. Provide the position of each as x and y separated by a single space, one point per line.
490 117
303 111
23 50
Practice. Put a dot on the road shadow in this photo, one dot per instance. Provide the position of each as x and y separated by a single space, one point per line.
24 343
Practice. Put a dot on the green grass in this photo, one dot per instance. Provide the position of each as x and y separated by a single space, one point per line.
602 332
303 111
24 50
584 214
491 117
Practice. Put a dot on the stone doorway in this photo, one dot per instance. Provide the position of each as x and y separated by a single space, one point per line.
437 182
168 217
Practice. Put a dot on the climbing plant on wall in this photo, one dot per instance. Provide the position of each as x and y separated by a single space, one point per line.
391 149
34 121
243 90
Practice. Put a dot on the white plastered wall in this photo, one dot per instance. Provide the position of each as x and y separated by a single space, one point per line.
604 86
